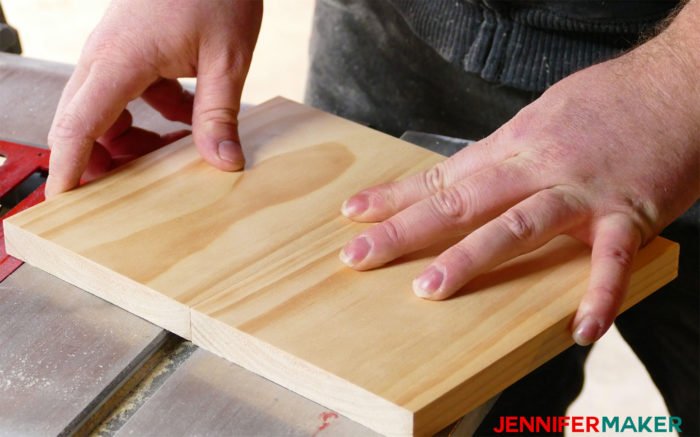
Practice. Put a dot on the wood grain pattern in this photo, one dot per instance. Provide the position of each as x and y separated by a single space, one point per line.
245 265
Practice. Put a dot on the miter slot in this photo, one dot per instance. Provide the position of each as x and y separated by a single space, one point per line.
21 190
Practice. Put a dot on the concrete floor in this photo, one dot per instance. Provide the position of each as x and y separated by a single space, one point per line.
617 384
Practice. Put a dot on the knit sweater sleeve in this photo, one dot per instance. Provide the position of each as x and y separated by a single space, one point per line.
530 45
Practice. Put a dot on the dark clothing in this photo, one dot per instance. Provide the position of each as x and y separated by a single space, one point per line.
9 39
371 63
592 10
369 66
530 45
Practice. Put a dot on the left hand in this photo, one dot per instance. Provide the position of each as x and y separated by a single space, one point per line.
139 49
608 155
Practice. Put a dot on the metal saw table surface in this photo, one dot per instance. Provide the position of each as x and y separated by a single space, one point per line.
72 363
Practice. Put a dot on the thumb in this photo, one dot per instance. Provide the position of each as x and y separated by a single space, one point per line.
215 117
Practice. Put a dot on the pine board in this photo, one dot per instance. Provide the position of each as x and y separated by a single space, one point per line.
245 265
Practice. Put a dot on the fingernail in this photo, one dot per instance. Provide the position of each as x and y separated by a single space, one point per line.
587 331
428 282
230 151
354 206
355 251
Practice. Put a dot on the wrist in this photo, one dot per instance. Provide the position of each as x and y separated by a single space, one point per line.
664 73
680 41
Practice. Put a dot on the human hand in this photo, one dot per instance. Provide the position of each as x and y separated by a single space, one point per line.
139 49
609 156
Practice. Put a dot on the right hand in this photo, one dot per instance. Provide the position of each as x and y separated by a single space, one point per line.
140 49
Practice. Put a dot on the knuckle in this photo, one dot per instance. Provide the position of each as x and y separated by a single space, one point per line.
97 44
644 214
530 162
619 256
388 196
227 62
394 232
520 127
567 196
170 113
383 197
434 178
519 225
551 196
449 203
68 128
100 56
461 256
227 116
102 44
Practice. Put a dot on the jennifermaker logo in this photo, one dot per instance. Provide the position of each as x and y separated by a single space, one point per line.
588 424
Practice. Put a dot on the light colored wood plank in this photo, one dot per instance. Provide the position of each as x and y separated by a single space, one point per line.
245 265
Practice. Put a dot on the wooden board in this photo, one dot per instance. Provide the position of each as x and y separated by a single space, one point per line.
245 265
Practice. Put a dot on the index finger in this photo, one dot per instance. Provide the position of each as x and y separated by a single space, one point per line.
382 201
88 113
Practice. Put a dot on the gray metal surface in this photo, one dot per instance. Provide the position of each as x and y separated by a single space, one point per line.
62 352
441 144
29 93
173 354
208 396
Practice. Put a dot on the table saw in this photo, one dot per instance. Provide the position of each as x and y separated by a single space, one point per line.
74 364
